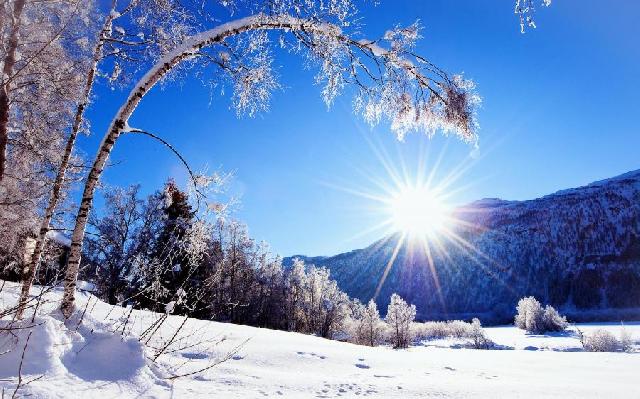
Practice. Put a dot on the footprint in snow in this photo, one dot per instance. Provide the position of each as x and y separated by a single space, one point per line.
307 354
194 356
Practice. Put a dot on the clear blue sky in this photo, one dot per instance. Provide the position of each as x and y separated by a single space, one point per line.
560 109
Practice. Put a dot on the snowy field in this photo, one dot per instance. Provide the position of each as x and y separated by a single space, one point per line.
94 359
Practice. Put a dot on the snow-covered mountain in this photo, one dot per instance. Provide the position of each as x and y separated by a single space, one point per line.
577 249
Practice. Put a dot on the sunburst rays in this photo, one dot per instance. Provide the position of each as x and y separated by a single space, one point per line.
414 205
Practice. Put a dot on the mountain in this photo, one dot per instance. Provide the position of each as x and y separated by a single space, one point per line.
577 249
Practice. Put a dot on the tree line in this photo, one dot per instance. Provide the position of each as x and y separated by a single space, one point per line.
153 253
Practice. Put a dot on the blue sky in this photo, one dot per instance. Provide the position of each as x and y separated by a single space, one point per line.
559 110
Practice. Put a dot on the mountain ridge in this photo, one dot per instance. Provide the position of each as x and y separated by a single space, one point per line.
572 248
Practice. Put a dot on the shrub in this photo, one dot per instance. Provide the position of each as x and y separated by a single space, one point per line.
534 319
442 329
552 321
599 341
453 329
479 340
625 340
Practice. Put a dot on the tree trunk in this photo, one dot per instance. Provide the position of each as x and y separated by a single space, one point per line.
7 71
187 50
32 267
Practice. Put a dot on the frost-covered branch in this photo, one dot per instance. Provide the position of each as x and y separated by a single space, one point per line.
525 9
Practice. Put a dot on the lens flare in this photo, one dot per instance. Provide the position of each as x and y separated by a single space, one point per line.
418 211
414 209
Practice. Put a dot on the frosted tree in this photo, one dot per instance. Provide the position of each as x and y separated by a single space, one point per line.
112 248
169 270
295 281
237 269
399 317
39 86
151 25
13 14
393 83
269 295
33 33
370 327
325 305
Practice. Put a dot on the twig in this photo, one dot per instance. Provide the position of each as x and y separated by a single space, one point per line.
24 350
170 341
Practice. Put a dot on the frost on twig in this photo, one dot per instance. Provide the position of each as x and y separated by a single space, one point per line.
525 9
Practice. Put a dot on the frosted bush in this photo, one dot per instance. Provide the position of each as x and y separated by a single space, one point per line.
479 340
552 321
535 319
442 329
600 341
626 343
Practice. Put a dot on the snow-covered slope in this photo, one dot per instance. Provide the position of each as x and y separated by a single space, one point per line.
575 248
93 360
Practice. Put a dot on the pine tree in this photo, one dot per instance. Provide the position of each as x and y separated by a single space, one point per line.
171 264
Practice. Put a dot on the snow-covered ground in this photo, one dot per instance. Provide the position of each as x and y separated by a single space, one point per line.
94 359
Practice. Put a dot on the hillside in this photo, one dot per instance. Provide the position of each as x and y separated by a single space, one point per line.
578 249
95 359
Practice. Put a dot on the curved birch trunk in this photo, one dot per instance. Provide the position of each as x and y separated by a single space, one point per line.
7 71
120 123
32 267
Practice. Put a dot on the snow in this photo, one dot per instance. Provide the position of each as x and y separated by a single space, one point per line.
85 286
93 359
59 237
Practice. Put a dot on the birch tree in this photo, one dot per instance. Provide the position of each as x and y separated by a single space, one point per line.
117 47
8 64
32 35
39 85
393 83
58 183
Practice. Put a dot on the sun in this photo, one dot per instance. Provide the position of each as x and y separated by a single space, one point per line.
417 210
